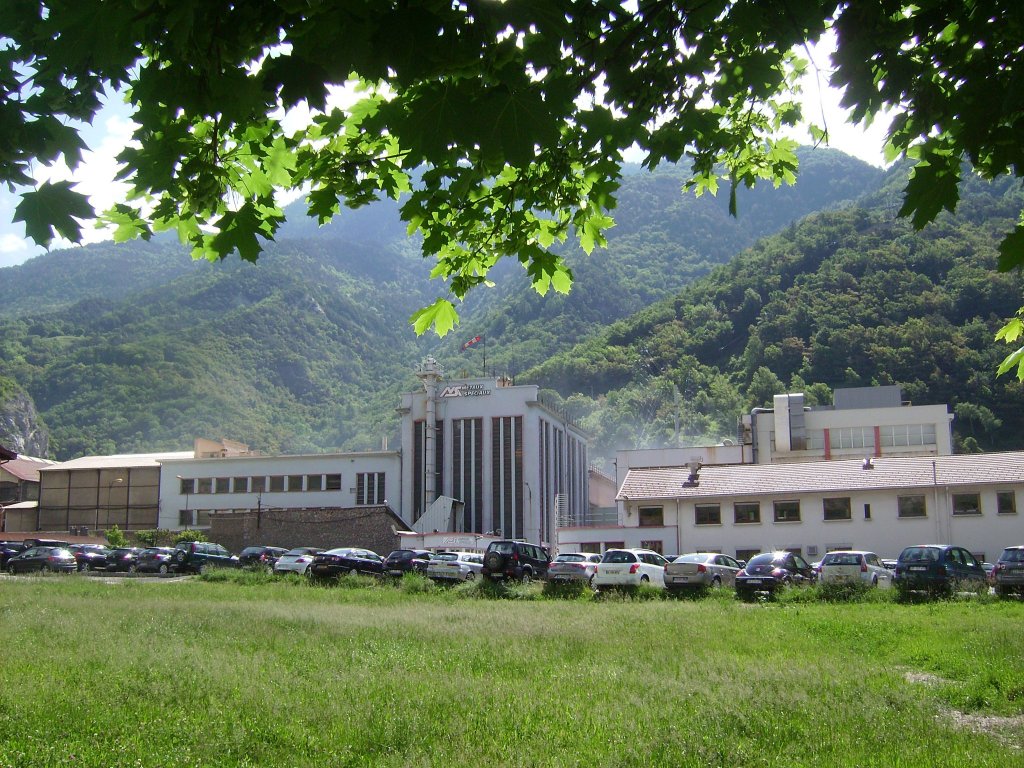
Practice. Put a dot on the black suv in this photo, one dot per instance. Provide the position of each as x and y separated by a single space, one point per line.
939 570
195 556
402 561
1009 572
517 560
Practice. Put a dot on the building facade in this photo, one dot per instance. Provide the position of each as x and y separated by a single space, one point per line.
203 484
880 504
513 464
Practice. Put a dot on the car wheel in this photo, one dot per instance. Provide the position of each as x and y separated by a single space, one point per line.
133 568
494 561
874 581
527 576
179 556
164 568
644 579
10 570
716 583
470 576
44 568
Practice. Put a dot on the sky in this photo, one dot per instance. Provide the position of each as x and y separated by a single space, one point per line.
111 130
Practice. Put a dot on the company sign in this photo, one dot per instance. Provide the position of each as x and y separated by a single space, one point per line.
465 390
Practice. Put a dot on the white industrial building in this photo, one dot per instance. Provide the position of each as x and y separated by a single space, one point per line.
484 457
869 472
201 484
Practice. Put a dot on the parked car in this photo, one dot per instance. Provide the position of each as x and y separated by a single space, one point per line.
9 549
889 563
516 560
260 557
155 560
90 557
574 566
630 568
196 556
769 572
296 560
700 570
938 569
344 560
1009 572
43 560
402 561
850 566
455 566
123 559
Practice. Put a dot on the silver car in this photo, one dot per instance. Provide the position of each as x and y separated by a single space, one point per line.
455 566
700 570
1008 574
296 560
574 566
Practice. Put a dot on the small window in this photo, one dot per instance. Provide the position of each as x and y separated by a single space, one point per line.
654 546
707 514
787 511
332 482
294 483
746 512
867 511
911 506
314 482
205 485
223 485
966 504
188 485
746 554
240 485
651 517
837 508
1006 503
185 517
259 484
276 483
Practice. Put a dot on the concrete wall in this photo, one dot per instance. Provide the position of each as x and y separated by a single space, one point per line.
367 527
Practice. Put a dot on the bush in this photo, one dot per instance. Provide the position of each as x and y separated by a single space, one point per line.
415 584
629 594
116 537
187 535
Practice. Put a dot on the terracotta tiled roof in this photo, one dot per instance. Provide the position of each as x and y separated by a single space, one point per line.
27 468
730 480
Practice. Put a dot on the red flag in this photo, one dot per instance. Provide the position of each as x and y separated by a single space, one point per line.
470 343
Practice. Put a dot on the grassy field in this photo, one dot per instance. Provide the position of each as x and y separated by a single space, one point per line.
220 671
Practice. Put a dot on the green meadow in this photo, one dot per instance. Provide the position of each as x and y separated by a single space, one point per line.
248 670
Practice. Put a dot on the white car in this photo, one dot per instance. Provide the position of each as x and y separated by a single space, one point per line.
630 567
455 566
851 565
295 560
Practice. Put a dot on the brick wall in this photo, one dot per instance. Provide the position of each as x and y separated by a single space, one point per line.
327 527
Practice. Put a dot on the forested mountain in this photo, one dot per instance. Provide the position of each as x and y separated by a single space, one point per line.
844 298
135 347
662 240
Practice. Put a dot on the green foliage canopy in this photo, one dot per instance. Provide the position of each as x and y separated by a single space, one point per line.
505 123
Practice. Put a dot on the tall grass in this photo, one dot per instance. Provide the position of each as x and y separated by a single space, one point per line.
247 671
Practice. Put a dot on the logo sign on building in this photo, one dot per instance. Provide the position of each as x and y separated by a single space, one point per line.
464 390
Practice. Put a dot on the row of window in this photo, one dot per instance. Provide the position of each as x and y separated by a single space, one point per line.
893 436
839 508
369 488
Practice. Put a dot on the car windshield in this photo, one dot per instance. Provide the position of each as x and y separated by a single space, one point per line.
571 558
446 556
618 556
841 558
252 551
401 554
1012 556
297 552
766 559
